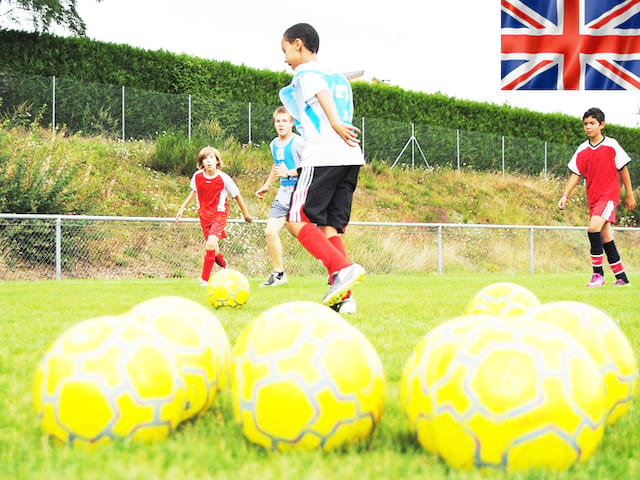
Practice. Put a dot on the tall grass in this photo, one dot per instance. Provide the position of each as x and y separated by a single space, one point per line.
394 311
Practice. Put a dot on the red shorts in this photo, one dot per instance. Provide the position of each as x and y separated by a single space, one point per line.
214 226
605 209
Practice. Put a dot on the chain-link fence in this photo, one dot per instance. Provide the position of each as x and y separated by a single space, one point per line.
65 246
128 113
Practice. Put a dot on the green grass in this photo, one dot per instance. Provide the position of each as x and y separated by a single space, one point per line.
393 312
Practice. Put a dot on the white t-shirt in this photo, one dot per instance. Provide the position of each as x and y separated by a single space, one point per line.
322 145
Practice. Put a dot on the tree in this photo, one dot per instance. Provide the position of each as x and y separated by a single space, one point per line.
43 14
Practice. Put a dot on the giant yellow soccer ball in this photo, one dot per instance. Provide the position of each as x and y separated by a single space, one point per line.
228 288
503 299
202 346
304 378
605 341
498 392
108 378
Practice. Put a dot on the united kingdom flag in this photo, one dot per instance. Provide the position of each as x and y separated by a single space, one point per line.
570 44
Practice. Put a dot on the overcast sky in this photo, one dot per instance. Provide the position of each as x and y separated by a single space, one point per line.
451 47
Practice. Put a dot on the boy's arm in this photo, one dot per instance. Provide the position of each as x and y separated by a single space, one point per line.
265 186
243 208
190 197
347 132
630 199
571 184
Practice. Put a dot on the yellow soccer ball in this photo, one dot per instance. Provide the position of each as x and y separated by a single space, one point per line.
303 378
108 378
503 299
491 392
228 288
201 344
605 341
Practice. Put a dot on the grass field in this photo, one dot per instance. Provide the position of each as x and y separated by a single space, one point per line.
393 312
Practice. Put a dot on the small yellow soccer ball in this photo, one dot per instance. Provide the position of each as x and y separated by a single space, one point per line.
201 344
491 392
108 378
228 288
601 336
503 299
303 378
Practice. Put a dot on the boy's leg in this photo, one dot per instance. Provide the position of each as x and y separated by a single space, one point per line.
212 250
613 257
597 251
272 234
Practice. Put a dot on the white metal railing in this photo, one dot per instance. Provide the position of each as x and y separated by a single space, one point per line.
253 241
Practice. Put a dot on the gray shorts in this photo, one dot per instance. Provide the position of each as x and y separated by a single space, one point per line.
280 206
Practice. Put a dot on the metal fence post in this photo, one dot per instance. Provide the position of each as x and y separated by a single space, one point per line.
503 155
189 119
249 123
532 260
123 127
362 136
58 248
458 147
440 249
53 106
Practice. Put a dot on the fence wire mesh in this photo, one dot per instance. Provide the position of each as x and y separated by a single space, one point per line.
50 247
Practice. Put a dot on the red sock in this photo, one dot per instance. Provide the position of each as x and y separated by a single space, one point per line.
209 258
221 261
317 244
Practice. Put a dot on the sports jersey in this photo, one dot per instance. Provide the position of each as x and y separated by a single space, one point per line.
322 145
212 193
599 165
288 152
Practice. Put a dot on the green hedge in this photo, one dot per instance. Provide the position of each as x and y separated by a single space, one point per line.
157 83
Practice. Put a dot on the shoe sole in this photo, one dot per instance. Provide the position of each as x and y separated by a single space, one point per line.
338 295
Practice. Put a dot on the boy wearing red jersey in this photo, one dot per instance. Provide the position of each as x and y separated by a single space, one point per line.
602 162
211 188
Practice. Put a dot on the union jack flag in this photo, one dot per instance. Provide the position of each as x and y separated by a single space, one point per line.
570 44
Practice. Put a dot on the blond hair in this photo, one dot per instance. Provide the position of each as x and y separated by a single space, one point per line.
281 110
207 152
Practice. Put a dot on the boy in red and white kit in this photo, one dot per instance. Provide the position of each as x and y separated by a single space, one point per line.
602 162
211 188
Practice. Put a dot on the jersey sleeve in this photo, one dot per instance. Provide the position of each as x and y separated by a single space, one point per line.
311 83
622 157
573 163
229 185
297 148
192 183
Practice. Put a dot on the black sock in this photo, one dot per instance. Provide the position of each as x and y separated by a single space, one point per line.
597 251
613 257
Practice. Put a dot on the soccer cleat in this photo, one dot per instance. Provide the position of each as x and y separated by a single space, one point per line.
621 282
203 283
343 280
275 279
347 306
597 280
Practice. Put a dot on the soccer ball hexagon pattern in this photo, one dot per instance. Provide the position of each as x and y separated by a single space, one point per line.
303 378
228 288
486 391
503 299
601 336
109 378
201 344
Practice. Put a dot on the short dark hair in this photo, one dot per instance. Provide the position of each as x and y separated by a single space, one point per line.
595 113
304 32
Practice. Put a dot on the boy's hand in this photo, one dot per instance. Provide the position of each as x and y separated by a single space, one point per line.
630 201
348 133
261 191
248 218
282 170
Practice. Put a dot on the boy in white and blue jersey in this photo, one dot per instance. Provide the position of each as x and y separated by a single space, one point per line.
286 150
322 106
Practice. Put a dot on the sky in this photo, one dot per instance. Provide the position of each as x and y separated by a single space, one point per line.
446 46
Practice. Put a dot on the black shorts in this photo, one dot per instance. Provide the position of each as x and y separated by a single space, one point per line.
324 196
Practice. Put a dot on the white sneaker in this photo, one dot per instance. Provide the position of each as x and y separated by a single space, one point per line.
275 279
203 283
347 306
343 280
